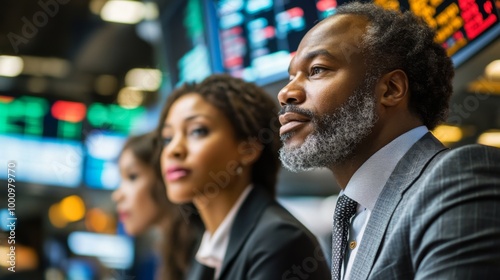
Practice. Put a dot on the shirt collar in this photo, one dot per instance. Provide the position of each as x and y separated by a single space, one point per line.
368 181
213 247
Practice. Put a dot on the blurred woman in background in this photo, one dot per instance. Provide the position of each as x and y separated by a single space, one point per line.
142 205
220 151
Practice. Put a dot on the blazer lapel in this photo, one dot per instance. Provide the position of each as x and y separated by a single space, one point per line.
244 222
406 172
200 272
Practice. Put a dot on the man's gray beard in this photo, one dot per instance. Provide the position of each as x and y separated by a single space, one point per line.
335 136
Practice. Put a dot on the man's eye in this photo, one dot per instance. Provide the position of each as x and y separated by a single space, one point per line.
316 71
132 177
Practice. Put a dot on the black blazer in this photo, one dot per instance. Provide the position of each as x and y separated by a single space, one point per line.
267 243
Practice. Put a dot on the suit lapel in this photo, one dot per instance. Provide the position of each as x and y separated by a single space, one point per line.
244 222
406 172
200 272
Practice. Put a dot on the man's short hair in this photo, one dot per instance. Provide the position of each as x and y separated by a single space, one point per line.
396 40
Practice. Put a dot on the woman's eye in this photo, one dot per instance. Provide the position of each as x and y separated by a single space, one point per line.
199 132
132 177
166 141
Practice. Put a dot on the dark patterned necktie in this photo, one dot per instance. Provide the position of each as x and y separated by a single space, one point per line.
345 209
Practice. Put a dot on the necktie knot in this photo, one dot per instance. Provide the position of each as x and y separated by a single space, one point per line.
345 209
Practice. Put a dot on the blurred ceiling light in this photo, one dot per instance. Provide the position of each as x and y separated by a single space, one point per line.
448 133
490 138
97 220
122 11
130 97
151 11
484 86
55 216
11 66
106 85
72 208
25 257
4 250
95 6
492 70
42 66
143 79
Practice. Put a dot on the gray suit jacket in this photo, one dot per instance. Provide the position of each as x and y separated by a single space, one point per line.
438 217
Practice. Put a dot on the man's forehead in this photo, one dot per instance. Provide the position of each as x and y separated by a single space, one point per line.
345 24
336 35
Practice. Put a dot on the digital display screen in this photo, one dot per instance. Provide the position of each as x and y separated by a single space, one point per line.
43 137
258 38
188 55
109 127
111 250
64 143
40 117
47 161
458 23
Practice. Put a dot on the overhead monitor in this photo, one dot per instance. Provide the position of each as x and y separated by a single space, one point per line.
109 127
65 143
186 41
463 27
43 137
258 38
113 251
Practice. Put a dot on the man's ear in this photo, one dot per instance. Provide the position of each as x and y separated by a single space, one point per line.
393 88
250 151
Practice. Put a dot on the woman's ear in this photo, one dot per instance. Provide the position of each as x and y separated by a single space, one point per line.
392 88
250 151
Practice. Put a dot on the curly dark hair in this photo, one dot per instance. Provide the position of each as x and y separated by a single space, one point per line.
252 113
178 236
396 40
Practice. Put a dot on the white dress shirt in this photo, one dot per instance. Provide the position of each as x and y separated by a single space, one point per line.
366 185
213 247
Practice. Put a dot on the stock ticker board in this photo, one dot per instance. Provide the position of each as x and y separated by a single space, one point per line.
64 143
457 22
258 38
